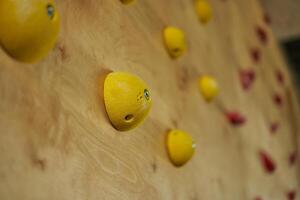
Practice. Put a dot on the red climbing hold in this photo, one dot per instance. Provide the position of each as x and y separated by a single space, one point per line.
274 127
255 55
235 118
291 195
262 34
280 77
247 77
267 19
278 99
267 162
258 198
292 158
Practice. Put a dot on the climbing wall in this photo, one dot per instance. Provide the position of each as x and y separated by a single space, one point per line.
56 141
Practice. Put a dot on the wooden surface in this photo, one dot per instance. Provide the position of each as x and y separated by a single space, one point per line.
57 143
286 25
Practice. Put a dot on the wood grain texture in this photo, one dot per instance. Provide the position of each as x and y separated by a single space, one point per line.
57 143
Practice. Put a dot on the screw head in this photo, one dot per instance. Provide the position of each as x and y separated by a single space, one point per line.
50 11
147 94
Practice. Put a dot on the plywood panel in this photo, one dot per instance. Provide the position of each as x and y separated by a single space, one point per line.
57 143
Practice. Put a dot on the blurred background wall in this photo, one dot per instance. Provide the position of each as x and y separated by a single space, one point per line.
285 18
285 22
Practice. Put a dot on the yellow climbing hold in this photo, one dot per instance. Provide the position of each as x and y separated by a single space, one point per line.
203 10
127 1
127 100
175 41
209 87
180 146
28 29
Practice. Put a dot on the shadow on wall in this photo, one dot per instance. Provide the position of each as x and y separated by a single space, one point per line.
291 50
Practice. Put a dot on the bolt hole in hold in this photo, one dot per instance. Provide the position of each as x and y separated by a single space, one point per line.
147 94
129 118
50 11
